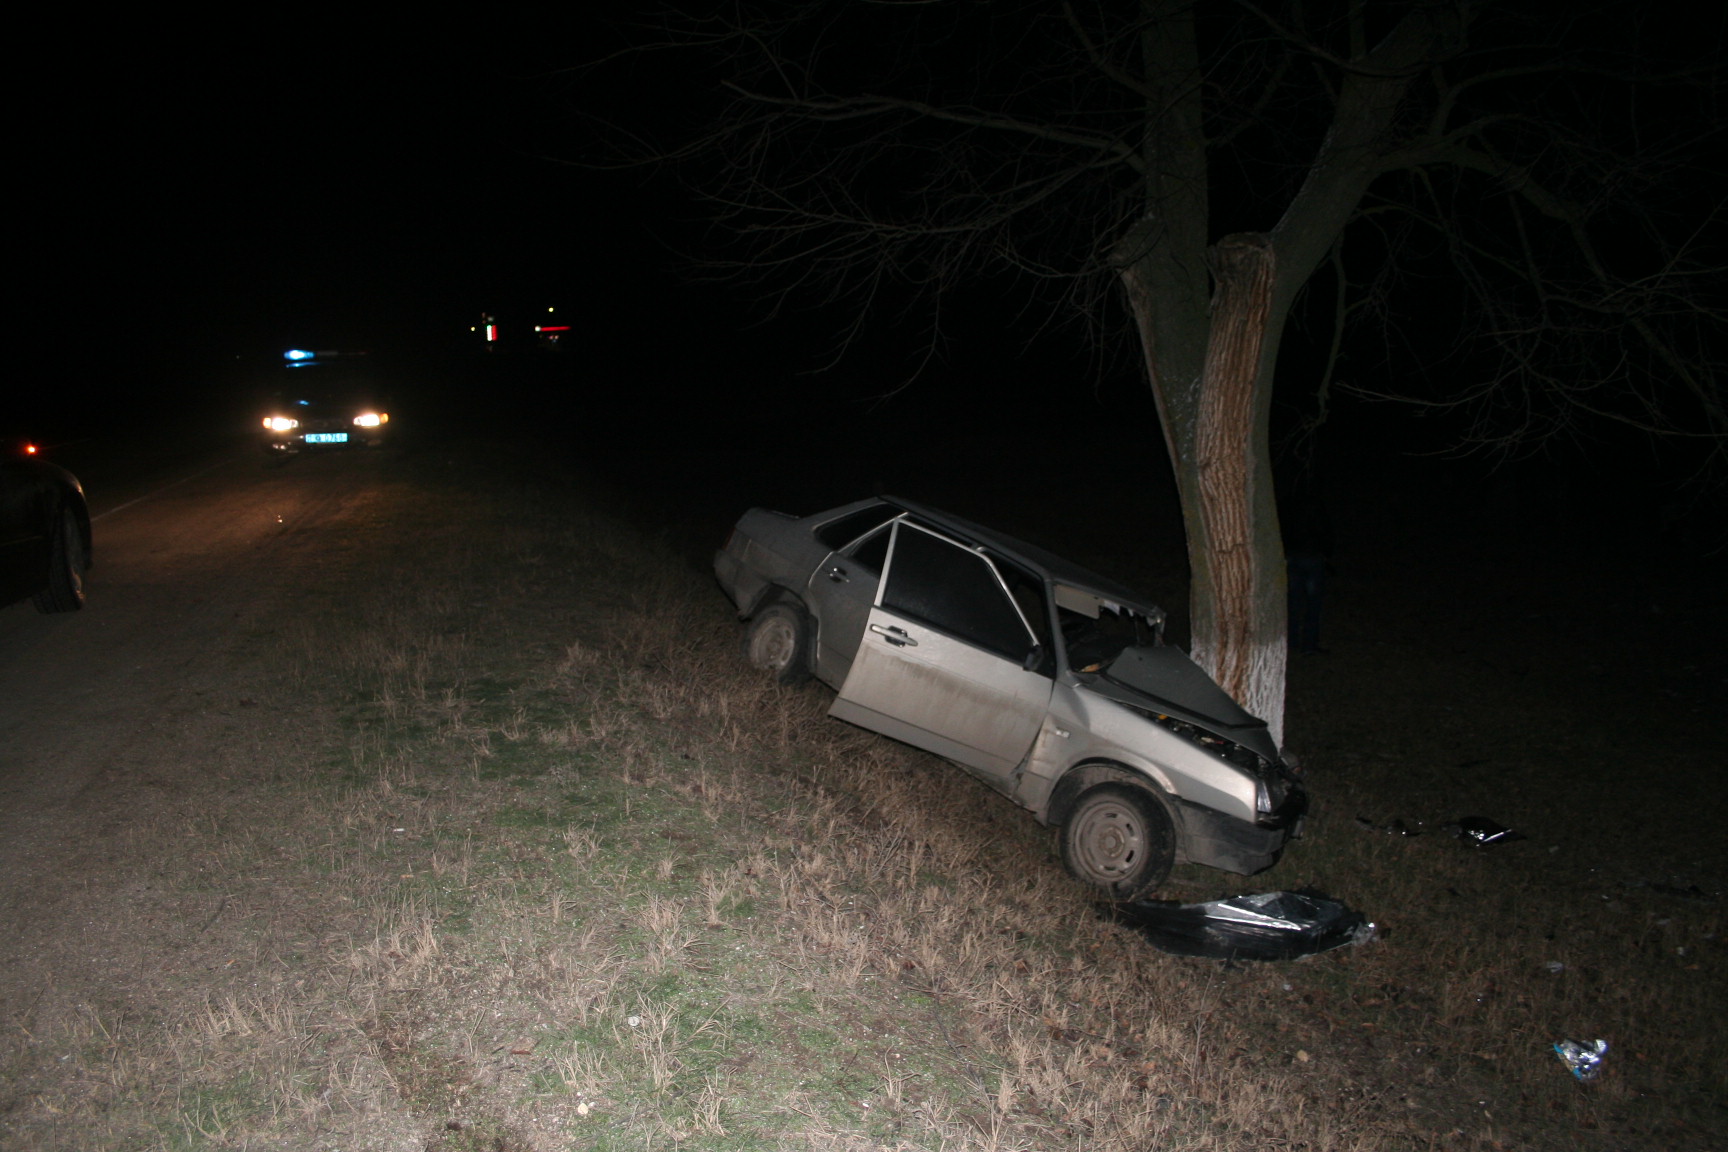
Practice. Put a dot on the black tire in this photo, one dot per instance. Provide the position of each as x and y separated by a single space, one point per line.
778 641
1119 840
66 564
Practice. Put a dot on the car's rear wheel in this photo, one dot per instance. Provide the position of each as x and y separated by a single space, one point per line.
67 561
777 641
1119 840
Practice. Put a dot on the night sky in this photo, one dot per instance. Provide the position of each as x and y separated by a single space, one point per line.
212 194
242 189
239 190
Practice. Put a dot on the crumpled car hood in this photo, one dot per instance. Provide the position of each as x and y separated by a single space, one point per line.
1166 678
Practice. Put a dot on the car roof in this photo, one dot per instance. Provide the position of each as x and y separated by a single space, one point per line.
1057 569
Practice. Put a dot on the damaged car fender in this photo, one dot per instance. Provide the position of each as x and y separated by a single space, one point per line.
1104 730
1211 807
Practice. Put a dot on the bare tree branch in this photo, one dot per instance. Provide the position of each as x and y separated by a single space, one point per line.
1092 157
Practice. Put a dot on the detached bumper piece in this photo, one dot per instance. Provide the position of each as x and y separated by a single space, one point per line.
1267 926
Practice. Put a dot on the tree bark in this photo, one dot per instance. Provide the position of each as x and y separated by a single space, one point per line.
1212 371
1239 611
1212 377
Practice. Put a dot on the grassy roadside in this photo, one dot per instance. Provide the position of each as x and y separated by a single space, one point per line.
553 871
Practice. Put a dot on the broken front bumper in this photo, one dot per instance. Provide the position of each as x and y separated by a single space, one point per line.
1219 841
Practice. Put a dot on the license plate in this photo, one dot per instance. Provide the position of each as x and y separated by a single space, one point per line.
326 437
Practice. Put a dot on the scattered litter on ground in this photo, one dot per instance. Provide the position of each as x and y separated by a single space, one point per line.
1479 831
1584 1060
1396 828
1266 926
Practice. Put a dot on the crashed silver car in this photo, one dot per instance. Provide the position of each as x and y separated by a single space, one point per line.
1048 682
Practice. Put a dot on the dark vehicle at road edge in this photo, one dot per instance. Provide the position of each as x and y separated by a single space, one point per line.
45 546
1048 682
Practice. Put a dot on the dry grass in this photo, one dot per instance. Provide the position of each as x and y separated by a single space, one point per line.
566 876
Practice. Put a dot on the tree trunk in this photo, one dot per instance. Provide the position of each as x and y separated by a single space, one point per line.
1238 613
1211 370
1213 405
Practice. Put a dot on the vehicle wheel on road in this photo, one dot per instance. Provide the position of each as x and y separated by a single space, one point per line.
777 641
67 562
1119 840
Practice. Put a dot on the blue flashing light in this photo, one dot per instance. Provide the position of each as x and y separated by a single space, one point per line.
295 355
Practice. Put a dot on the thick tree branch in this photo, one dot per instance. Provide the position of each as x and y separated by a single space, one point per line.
862 107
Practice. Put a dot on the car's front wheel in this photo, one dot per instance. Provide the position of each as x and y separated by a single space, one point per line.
67 561
1120 841
776 641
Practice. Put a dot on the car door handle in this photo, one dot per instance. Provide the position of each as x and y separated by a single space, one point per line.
837 574
894 636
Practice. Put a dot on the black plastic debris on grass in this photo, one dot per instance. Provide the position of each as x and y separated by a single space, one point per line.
1476 831
1266 926
1479 831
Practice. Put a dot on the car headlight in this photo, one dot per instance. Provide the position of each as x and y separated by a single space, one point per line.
281 423
1278 794
371 419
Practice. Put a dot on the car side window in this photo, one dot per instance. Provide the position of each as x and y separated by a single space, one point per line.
872 551
836 534
954 589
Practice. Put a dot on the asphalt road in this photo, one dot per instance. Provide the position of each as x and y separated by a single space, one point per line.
119 722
